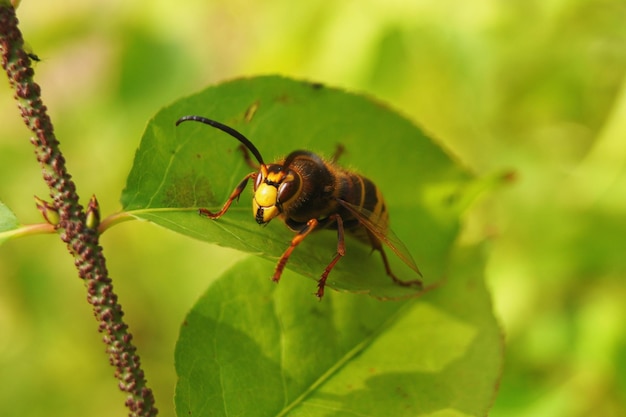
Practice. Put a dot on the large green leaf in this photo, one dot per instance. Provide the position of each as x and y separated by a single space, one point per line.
249 349
178 169
8 223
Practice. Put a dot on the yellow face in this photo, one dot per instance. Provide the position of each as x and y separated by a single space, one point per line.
274 189
264 203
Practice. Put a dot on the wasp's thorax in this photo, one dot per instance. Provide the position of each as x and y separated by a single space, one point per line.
275 188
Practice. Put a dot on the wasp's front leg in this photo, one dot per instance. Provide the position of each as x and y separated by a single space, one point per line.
246 157
233 196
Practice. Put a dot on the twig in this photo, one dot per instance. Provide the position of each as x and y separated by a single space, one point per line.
74 227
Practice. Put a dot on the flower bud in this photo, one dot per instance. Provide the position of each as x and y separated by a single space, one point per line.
48 211
93 213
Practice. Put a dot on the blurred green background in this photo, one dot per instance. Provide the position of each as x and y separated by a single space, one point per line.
536 86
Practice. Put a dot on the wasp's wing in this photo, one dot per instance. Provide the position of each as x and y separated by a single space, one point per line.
382 232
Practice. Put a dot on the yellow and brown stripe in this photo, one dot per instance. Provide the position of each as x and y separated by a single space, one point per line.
364 194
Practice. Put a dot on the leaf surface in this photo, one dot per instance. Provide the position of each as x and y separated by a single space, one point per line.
252 348
8 223
180 169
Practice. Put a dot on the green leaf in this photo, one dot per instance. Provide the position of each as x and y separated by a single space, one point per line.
179 169
252 348
8 223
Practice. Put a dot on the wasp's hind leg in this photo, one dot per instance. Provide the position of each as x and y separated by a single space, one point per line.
416 282
233 196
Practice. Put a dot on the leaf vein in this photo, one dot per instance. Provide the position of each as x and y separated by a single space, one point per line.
352 353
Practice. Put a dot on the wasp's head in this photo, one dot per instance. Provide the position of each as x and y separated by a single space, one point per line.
276 187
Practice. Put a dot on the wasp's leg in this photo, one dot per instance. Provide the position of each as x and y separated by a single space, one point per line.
234 195
297 239
246 157
416 282
251 111
341 251
338 152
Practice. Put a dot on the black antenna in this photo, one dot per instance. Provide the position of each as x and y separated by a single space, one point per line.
241 138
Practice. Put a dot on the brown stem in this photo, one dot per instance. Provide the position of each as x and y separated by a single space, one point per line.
81 240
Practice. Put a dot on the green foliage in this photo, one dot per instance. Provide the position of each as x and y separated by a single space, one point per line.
247 349
545 99
251 348
8 222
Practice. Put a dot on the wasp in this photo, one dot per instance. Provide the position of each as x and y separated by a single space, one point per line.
309 193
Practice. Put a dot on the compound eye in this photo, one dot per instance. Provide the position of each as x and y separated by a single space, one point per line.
258 179
289 188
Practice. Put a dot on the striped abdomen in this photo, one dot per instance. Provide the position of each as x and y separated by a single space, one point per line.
366 196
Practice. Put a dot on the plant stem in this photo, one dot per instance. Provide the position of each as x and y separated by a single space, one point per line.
81 241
